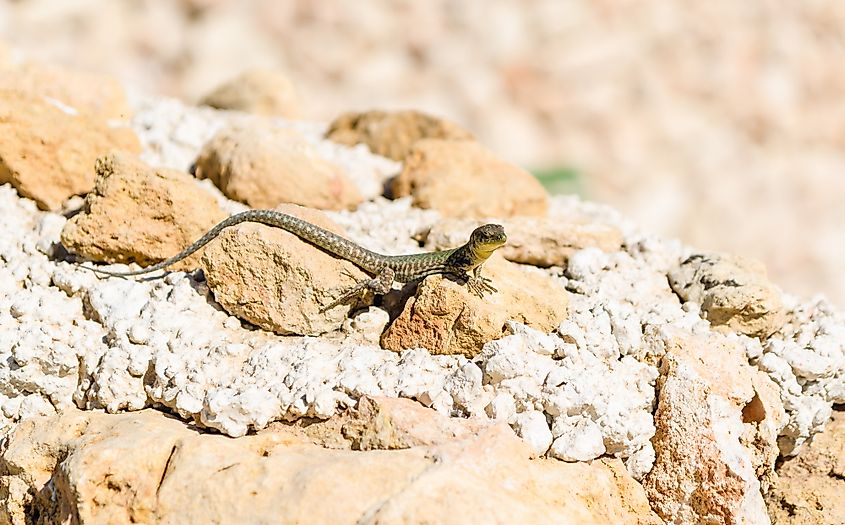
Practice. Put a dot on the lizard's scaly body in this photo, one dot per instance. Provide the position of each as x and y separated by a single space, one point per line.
386 268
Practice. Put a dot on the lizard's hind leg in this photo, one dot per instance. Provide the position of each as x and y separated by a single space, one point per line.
379 285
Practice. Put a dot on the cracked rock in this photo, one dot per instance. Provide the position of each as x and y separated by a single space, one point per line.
732 291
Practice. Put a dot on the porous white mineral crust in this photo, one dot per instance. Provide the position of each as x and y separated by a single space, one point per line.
69 336
806 359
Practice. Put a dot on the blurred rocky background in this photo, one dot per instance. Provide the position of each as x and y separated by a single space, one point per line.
722 123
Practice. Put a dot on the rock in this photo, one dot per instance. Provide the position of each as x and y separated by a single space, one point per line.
732 291
532 427
392 134
258 91
717 422
806 359
809 487
145 467
538 242
48 154
99 96
577 439
264 166
140 214
460 178
279 282
445 318
383 423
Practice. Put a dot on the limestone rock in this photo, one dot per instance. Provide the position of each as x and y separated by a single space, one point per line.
732 291
140 214
259 91
538 242
277 281
48 154
460 178
809 487
717 421
99 96
391 134
384 423
144 467
265 166
445 318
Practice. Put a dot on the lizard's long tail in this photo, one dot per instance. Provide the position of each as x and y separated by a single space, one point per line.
323 239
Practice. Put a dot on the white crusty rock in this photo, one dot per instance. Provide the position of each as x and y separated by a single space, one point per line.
806 359
533 428
577 438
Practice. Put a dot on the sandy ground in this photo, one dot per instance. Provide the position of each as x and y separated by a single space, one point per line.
720 123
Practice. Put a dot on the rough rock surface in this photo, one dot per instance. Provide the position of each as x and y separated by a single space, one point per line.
47 153
99 96
460 178
392 134
264 166
731 291
67 337
538 242
806 358
717 420
140 214
259 91
279 282
145 467
446 318
809 488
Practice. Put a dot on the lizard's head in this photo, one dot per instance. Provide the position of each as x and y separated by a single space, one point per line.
488 238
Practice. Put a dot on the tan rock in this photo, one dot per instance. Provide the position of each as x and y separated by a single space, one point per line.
140 214
460 178
144 467
391 134
732 291
258 91
384 423
47 154
98 96
809 487
539 242
445 318
279 282
265 166
717 422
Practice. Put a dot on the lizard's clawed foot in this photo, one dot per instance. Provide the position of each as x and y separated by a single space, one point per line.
479 285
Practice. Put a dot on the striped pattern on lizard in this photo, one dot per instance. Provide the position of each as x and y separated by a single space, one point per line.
463 262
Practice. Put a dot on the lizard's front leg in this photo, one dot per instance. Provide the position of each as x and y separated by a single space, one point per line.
379 285
478 284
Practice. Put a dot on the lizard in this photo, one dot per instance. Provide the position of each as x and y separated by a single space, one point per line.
463 262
